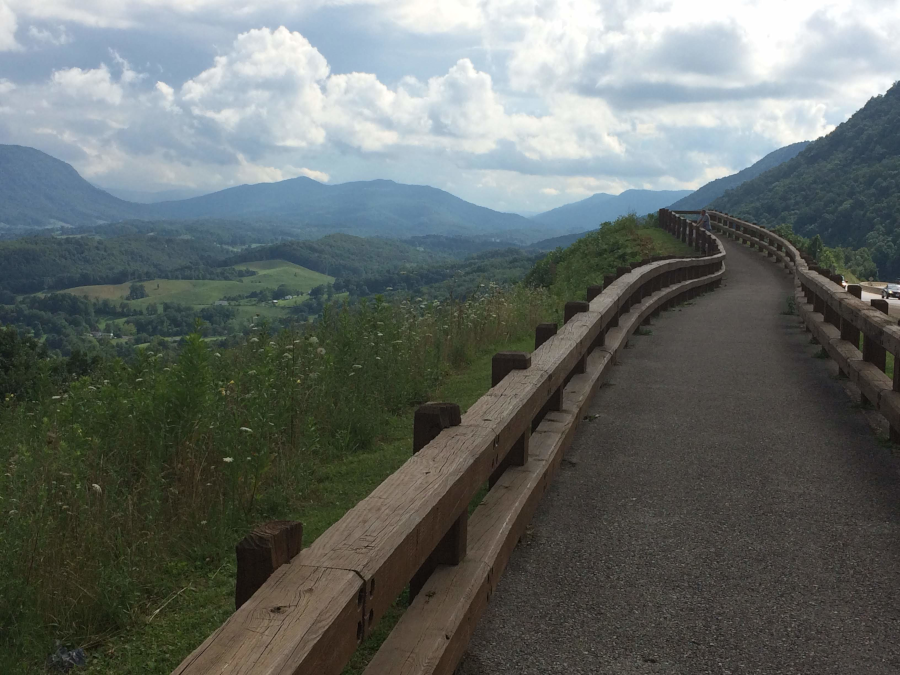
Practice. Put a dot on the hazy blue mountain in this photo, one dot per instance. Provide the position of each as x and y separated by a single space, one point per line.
38 191
715 189
601 207
368 208
144 197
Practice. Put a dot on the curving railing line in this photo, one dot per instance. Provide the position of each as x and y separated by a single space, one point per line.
857 335
310 615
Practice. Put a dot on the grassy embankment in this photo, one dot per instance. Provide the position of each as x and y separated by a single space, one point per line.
123 496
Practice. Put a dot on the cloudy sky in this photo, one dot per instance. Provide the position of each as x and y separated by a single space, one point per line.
520 105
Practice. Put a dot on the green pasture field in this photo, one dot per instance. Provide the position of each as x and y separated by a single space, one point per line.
270 274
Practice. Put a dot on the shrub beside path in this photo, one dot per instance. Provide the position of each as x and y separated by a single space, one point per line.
727 511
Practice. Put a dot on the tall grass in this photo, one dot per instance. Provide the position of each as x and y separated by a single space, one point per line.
145 467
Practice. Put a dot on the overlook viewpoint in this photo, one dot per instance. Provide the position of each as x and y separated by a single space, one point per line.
717 502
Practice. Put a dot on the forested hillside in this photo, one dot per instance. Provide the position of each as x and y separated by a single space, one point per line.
715 189
844 186
41 263
37 191
339 255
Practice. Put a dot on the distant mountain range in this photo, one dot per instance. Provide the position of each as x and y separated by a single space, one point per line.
38 191
715 189
144 197
597 209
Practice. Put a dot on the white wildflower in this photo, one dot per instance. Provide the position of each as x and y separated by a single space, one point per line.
251 372
313 340
247 430
228 460
56 398
356 366
254 339
217 355
96 488
140 379
321 351
203 522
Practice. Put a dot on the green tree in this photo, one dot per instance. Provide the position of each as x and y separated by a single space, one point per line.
136 292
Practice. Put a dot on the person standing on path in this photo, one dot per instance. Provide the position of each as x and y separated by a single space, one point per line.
704 221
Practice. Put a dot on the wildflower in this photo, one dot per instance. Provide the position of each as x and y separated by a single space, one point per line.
249 372
321 351
13 512
381 323
356 366
166 370
272 344
217 355
89 387
378 358
221 391
247 430
352 374
380 334
254 339
313 340
56 398
203 522
96 488
228 460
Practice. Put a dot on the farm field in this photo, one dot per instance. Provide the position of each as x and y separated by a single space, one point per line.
270 274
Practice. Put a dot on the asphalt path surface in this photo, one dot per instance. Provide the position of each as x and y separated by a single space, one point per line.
727 511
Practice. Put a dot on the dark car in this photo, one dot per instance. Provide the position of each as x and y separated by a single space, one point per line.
891 291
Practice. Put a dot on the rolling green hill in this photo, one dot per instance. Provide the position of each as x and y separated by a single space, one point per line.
40 263
844 186
715 189
340 255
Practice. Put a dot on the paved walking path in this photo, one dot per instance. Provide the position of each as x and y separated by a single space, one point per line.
728 511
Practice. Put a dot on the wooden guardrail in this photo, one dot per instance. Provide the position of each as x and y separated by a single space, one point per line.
310 615
857 335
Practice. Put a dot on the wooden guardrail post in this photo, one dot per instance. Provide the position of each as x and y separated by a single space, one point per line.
572 309
873 352
263 551
592 292
429 421
502 365
542 333
849 332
